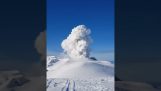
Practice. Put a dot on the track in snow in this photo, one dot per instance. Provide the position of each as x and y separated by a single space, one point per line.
69 86
60 84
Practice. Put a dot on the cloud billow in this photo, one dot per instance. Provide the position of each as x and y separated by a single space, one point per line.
77 44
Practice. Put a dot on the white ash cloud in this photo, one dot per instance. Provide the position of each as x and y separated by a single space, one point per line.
77 44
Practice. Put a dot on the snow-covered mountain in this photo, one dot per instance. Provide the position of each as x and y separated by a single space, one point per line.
82 69
80 75
51 60
88 75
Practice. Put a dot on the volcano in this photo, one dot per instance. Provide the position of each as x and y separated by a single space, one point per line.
80 75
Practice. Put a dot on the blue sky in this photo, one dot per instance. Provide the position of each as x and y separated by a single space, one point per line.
98 15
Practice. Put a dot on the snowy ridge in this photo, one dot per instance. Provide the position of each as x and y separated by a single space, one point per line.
74 69
51 60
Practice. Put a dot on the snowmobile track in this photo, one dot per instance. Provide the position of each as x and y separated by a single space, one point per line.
69 86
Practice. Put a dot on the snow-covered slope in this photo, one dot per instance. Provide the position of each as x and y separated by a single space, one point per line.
93 84
51 60
81 69
80 75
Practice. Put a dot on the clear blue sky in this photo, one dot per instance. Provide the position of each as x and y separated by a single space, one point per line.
98 15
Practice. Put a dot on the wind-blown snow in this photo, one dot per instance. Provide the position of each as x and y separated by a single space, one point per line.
77 43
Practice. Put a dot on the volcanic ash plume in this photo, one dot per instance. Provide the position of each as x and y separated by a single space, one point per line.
77 43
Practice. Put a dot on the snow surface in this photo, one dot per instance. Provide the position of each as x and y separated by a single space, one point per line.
51 60
16 81
82 69
80 75
94 84
88 75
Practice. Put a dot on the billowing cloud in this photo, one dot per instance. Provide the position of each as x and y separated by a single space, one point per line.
77 44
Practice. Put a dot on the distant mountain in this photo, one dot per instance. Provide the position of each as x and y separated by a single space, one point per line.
51 60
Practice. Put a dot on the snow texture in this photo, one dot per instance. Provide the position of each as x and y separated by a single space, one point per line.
80 75
102 84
